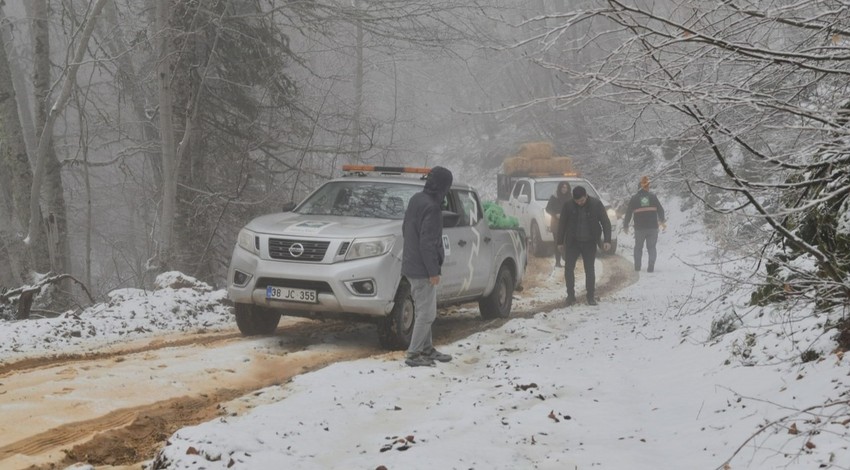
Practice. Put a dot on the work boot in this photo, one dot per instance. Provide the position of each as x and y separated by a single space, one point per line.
571 300
419 360
435 355
650 269
591 301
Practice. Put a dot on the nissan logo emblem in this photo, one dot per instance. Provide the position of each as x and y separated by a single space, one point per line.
296 250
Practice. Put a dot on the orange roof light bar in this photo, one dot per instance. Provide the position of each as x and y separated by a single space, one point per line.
387 169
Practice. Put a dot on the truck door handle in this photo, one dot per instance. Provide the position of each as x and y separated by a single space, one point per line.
461 243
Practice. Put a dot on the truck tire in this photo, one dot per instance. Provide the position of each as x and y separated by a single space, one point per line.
396 329
253 320
536 243
498 303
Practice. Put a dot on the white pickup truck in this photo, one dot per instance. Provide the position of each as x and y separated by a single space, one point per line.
338 255
525 197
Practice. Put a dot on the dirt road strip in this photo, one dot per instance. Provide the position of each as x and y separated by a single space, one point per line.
117 408
48 410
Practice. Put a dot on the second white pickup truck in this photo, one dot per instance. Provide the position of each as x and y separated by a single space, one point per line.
338 255
525 197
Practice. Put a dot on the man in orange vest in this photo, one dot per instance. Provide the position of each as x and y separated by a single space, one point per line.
649 215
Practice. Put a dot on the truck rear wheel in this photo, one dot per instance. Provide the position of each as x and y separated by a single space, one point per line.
253 320
498 303
395 331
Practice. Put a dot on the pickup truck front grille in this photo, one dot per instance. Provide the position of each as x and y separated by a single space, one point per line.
310 250
319 286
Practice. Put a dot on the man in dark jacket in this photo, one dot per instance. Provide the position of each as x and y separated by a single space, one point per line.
583 220
423 256
648 216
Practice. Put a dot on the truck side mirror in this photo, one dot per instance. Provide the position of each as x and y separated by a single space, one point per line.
522 198
450 219
288 207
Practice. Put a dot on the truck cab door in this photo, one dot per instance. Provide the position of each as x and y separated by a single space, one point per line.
460 244
450 270
481 252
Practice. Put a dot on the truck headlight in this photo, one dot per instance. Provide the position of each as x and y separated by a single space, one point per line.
368 247
248 241
612 214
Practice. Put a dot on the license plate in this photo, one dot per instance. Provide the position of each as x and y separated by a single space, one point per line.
291 294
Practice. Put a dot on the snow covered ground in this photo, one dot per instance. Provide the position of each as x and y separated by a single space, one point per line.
636 382
179 303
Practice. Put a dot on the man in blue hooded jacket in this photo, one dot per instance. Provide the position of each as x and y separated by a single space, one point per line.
423 257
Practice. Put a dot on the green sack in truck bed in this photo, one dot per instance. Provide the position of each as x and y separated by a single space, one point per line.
496 217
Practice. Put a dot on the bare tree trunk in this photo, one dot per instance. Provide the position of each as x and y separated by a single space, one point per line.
15 176
53 189
19 82
11 256
41 89
57 222
45 142
166 131
89 215
130 81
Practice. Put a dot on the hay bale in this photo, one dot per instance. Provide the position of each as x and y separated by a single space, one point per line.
515 166
561 165
536 150
539 166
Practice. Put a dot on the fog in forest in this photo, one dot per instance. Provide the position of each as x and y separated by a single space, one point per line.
138 137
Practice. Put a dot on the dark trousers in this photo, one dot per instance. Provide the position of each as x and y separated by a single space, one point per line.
650 237
587 251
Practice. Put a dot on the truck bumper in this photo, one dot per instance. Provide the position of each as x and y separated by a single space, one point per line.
334 284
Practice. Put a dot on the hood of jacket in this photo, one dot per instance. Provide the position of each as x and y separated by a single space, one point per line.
439 181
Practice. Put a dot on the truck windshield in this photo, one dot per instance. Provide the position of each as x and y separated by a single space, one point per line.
368 199
543 190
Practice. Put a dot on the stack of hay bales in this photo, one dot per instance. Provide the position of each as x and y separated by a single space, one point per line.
537 159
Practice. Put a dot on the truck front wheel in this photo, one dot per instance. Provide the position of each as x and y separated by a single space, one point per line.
498 303
253 320
395 331
536 244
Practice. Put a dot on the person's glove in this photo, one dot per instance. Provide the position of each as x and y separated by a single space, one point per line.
663 226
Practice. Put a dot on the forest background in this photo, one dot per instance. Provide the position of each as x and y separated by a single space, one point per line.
138 137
